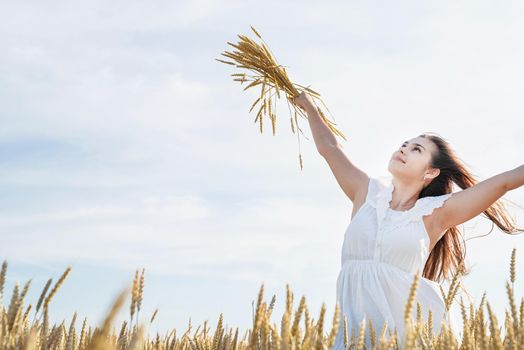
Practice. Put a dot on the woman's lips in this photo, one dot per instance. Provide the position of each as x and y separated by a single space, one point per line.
399 159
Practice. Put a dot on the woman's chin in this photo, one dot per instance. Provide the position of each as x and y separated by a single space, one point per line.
393 170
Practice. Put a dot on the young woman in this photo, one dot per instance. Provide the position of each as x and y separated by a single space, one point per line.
405 225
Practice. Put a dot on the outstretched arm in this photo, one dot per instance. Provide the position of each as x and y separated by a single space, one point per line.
466 204
515 178
353 181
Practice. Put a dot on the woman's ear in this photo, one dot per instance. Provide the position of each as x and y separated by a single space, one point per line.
432 173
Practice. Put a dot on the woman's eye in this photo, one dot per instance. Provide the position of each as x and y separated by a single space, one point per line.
417 148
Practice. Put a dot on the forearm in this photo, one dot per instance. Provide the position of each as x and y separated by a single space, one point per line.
322 134
514 178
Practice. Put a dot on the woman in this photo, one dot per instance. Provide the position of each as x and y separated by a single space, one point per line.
405 226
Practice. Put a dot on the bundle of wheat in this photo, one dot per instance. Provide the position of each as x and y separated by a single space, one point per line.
258 59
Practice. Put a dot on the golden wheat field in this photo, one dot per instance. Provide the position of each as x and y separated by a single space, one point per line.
27 326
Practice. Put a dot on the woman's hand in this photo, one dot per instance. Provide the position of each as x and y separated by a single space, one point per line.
305 101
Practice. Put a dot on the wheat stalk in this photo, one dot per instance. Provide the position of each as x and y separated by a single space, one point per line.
361 334
2 280
411 298
43 294
273 80
153 316
71 334
134 296
56 287
453 287
345 332
335 325
512 272
100 336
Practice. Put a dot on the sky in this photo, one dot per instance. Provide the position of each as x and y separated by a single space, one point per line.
125 145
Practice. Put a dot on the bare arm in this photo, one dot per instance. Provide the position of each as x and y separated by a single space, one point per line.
466 204
352 180
514 178
322 135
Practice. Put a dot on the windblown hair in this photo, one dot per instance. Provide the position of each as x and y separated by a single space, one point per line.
449 252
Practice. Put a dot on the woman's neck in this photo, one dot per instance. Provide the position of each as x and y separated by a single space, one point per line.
404 196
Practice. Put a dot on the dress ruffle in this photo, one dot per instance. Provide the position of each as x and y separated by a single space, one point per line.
383 193
427 205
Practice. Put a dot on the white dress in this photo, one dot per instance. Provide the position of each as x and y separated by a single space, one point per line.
381 253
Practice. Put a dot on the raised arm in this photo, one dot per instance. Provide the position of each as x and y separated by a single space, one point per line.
352 180
466 204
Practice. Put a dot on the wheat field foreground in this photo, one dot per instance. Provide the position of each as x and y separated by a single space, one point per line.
22 328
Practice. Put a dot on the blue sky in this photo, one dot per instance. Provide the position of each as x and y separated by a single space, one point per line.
125 145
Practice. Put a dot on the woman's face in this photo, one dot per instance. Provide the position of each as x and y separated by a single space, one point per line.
412 159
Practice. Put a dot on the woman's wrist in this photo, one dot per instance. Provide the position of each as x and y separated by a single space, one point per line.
311 109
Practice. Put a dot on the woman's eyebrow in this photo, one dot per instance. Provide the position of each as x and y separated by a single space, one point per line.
418 144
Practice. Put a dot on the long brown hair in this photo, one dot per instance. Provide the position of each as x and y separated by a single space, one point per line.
449 252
